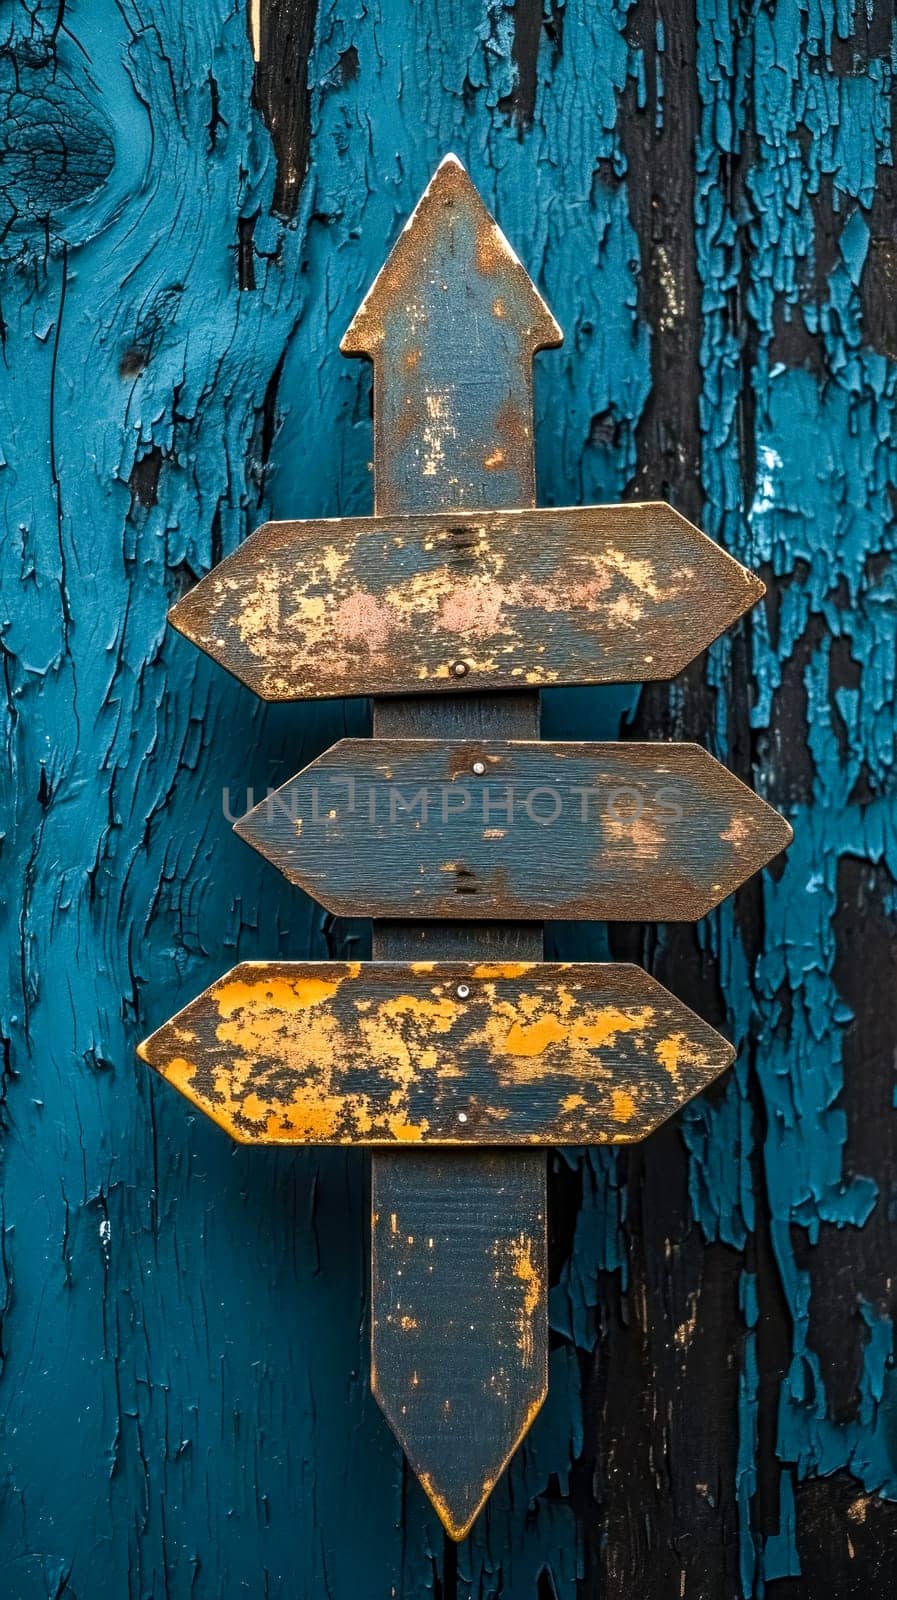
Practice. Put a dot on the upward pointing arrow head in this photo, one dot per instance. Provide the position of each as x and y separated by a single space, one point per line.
452 322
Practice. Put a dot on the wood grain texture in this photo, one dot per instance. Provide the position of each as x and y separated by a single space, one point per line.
490 829
390 605
455 1053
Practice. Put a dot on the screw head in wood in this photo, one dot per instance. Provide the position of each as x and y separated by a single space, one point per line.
462 991
460 669
479 768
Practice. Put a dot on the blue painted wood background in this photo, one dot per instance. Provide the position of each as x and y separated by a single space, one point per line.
707 198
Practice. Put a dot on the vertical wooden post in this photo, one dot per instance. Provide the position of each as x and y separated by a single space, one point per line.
459 1323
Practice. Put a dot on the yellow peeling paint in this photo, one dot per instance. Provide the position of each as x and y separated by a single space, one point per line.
524 1269
284 1061
407 1132
515 1264
275 994
622 1105
675 1052
599 1027
180 1073
333 560
436 1015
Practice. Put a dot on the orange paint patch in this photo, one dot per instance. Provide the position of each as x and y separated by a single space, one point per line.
622 1105
503 969
599 1027
516 1257
180 1073
281 994
407 1132
673 1053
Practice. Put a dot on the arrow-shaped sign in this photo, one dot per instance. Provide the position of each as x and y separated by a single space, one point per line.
472 600
451 323
516 829
437 1053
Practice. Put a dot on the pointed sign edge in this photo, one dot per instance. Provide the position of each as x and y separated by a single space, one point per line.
459 1530
356 342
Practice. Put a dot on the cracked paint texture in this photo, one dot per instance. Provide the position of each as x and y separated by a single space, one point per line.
707 201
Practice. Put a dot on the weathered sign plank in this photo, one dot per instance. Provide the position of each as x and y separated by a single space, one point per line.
471 600
516 829
437 1053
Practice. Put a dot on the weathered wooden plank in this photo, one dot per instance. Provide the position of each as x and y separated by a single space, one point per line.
437 1053
425 459
503 829
459 1352
477 600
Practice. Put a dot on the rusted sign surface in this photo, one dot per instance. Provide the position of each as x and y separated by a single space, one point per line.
476 600
516 829
459 1339
427 1052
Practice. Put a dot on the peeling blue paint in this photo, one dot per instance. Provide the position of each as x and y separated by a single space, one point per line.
191 1315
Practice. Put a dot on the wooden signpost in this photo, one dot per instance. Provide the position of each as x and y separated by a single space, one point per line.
457 1053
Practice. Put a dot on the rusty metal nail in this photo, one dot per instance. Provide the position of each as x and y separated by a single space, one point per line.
479 768
462 991
460 669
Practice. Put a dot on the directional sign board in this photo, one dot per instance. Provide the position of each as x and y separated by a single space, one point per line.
458 583
516 829
469 600
437 1052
